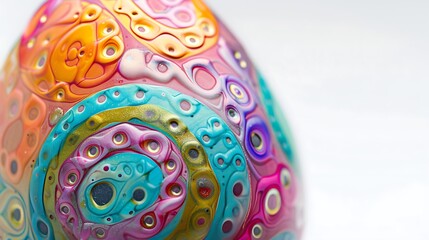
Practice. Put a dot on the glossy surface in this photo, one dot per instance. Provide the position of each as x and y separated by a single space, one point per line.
140 119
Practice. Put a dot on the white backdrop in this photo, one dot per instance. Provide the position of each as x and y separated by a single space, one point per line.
353 78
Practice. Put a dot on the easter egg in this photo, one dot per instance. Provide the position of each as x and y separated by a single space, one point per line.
141 119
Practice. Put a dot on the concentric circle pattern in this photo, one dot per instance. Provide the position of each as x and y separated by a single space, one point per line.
140 120
13 214
146 143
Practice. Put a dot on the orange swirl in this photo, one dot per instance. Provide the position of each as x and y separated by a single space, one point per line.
74 44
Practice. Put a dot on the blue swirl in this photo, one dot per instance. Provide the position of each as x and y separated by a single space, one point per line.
199 119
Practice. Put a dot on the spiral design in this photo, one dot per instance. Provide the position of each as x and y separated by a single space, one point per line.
140 119
160 163
80 53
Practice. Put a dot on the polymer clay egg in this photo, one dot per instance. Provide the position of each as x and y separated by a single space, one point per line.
140 119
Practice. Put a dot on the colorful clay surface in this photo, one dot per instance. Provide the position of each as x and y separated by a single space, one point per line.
140 119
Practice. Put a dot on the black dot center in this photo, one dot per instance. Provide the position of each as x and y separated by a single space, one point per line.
256 231
93 151
138 195
43 228
256 140
102 194
16 214
14 167
193 153
238 189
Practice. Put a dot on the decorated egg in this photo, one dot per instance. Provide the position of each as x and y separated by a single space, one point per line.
140 119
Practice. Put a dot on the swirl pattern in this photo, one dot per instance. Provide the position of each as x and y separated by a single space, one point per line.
81 53
209 176
141 119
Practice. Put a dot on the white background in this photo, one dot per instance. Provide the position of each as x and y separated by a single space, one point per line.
353 79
